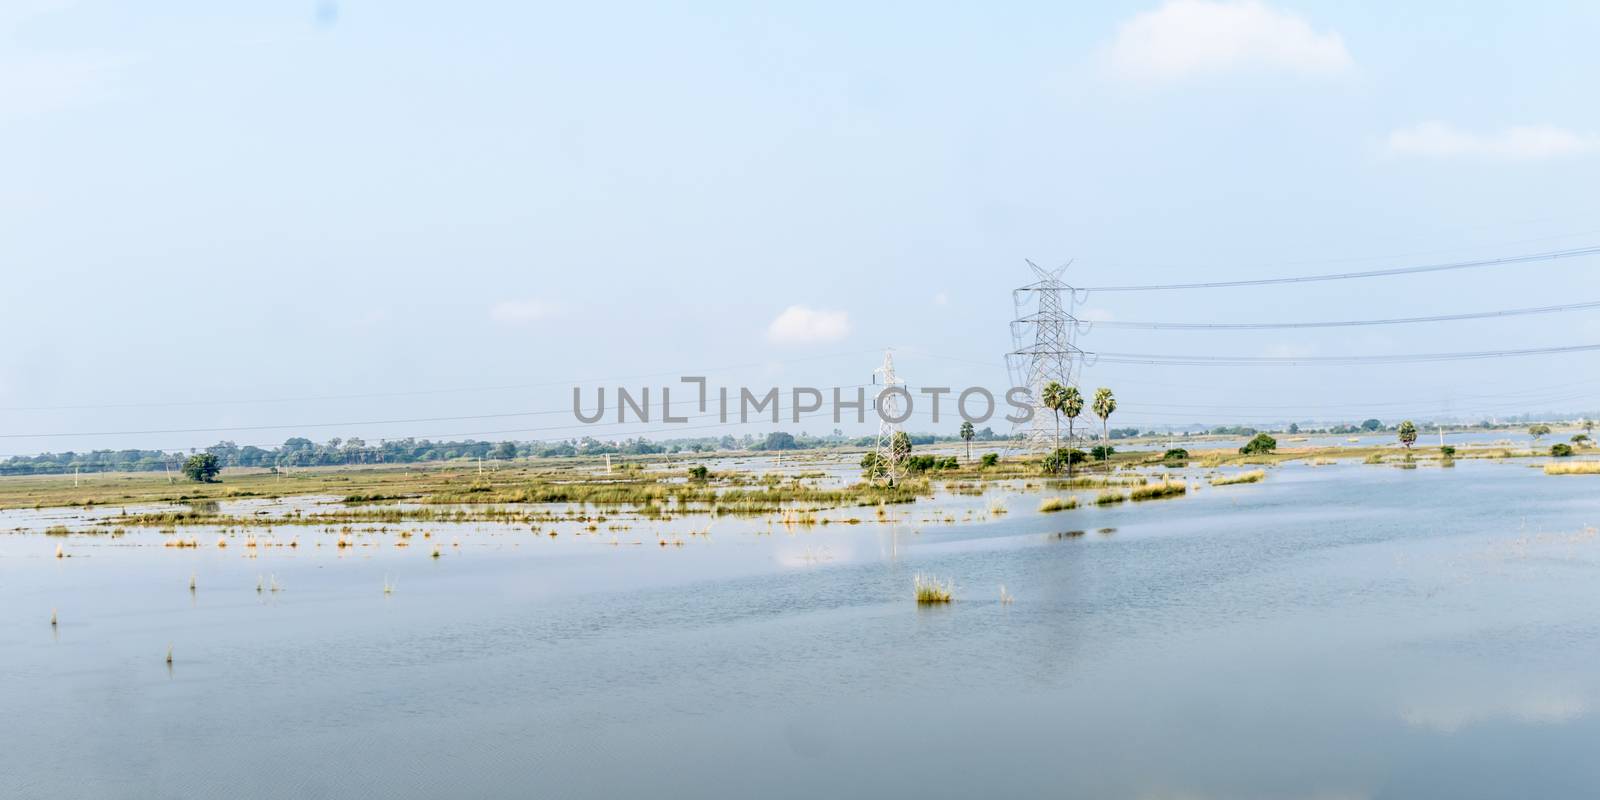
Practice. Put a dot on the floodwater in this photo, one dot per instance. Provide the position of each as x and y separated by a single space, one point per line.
1340 631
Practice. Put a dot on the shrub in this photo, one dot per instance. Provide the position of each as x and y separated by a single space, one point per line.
202 468
989 460
1449 451
1102 452
1176 454
1260 445
924 463
1057 461
699 474
1561 450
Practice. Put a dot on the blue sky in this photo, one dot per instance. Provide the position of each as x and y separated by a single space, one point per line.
246 202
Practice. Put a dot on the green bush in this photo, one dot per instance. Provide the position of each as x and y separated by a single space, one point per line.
924 463
872 466
1449 451
1260 445
989 460
1561 450
202 468
1102 452
699 474
1058 461
1176 454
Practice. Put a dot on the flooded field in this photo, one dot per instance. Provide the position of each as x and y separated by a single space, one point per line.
1434 628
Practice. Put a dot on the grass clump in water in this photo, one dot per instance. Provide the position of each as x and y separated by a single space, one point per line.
1156 491
931 591
1573 468
1253 476
1109 498
1058 504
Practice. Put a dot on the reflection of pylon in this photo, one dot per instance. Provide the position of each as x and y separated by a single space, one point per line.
887 404
1044 349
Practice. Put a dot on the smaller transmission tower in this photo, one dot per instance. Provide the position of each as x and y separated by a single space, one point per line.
887 405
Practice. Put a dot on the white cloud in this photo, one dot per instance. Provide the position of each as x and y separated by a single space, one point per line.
1522 142
1189 37
519 312
799 324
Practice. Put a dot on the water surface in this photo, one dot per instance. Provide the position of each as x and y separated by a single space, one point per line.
1336 631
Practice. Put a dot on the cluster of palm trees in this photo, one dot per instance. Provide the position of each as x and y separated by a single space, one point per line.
1068 401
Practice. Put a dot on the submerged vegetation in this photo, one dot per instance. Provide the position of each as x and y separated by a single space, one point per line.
578 494
1253 476
1156 491
1109 497
1050 504
931 591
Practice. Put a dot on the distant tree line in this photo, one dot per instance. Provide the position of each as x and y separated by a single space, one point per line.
303 452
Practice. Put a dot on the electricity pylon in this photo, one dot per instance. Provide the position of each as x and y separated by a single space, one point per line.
887 405
1043 337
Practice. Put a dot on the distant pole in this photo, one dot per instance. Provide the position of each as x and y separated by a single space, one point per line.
1441 436
480 465
74 476
608 463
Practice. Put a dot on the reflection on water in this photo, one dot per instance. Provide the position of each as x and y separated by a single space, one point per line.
1337 631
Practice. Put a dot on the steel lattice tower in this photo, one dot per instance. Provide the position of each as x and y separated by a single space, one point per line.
887 404
1043 337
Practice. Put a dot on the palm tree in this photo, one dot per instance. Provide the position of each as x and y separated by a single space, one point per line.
1104 404
1054 398
966 435
1072 406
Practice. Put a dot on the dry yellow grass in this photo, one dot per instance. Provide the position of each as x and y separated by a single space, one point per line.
1156 491
1058 504
1573 468
931 590
1253 476
1109 497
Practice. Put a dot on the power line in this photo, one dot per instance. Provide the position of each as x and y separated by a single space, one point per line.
1550 255
1408 358
1192 326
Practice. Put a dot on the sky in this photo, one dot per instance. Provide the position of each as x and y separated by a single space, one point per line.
257 220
